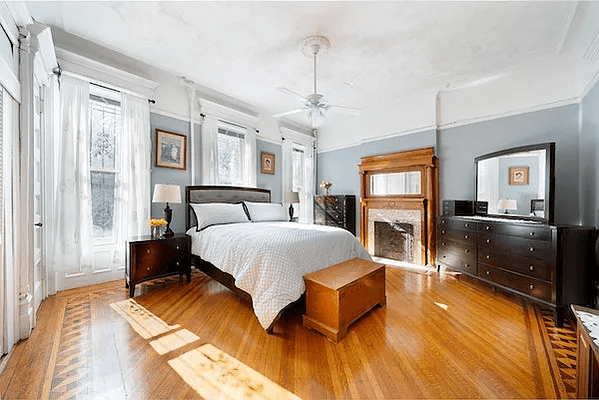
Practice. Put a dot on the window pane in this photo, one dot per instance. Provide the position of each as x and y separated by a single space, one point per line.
298 167
105 124
397 183
229 159
103 190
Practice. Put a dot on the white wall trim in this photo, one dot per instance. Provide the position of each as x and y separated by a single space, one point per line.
180 117
590 85
9 80
383 137
268 139
226 113
95 70
475 120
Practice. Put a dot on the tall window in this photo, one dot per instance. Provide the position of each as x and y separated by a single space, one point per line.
298 160
104 131
231 154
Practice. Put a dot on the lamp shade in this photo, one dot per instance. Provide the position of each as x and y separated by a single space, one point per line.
292 197
507 204
164 193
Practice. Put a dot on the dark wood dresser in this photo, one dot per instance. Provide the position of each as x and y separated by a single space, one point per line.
550 264
150 258
338 210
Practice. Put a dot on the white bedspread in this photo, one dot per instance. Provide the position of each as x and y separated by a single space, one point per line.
269 259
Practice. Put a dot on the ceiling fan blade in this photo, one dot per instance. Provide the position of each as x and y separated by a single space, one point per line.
291 92
344 110
286 113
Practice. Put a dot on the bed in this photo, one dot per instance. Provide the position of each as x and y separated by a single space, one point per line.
263 259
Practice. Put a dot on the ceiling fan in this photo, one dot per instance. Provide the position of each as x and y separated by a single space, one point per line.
315 104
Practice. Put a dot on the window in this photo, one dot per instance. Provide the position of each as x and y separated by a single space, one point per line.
104 131
231 153
298 167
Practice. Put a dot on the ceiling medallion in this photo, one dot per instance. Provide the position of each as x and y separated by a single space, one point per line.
315 45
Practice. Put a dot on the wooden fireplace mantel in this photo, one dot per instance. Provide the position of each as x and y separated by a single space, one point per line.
423 160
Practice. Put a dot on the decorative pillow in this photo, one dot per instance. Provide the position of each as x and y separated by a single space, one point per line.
266 212
209 214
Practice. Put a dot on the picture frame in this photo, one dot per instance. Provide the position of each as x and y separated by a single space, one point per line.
267 163
518 175
171 150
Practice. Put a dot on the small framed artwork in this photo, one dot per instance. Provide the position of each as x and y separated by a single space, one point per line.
267 163
170 149
518 176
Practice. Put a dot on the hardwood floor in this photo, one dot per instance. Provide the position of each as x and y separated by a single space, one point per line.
441 335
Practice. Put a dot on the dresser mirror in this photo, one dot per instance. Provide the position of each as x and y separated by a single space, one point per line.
518 183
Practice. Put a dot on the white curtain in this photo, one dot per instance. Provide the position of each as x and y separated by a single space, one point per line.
133 188
209 151
307 197
287 168
249 159
71 249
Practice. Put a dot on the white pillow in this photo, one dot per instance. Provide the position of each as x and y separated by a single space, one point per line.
209 214
266 212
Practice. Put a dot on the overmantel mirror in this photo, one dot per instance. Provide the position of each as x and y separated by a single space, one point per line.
518 183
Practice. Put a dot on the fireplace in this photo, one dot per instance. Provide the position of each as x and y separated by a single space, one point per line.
394 240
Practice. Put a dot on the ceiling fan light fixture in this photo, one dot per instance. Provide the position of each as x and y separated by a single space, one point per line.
316 117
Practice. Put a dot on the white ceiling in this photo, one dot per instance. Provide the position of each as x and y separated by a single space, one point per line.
387 50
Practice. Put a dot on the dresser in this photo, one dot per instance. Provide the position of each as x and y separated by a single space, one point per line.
149 258
339 210
549 264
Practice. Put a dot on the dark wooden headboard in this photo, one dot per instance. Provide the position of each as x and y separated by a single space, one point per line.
220 194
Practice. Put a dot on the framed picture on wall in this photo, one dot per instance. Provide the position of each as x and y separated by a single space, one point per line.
170 149
267 163
518 175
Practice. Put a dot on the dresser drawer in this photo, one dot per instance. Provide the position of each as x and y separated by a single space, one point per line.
465 238
500 245
532 267
464 260
524 284
538 232
450 224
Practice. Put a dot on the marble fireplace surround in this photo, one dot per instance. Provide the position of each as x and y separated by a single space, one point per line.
410 216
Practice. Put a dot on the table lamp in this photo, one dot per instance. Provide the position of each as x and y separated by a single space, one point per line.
291 198
507 204
164 193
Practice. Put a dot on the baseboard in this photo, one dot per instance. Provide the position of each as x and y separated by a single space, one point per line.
5 359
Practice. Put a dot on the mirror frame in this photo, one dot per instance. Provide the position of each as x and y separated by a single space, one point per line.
549 179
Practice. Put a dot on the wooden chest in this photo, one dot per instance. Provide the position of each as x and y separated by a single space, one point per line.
340 294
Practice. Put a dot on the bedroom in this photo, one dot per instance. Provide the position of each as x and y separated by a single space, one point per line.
528 94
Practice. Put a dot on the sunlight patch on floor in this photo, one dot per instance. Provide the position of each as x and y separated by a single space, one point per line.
141 320
422 269
443 306
216 375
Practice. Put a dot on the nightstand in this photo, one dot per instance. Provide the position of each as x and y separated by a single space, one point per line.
149 258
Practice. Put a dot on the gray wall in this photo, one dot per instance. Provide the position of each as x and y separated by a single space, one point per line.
589 158
267 181
169 175
457 148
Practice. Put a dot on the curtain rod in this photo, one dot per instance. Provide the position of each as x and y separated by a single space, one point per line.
58 71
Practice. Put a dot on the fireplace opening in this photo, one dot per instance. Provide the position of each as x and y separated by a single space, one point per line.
394 240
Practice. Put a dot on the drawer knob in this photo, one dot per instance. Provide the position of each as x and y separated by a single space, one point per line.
178 247
148 250
466 265
177 263
443 231
531 267
532 233
147 269
488 227
487 272
531 286
531 249
488 240
466 250
467 225
466 236
488 256
444 256
443 244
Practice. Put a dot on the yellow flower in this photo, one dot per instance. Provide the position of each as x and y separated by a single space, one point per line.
157 222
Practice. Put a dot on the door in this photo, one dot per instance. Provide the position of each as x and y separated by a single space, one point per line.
39 270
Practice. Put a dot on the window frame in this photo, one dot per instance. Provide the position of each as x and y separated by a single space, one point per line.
236 131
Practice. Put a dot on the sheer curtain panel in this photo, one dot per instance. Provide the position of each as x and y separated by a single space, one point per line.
134 187
71 250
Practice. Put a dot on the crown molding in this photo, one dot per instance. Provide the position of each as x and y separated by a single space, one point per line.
216 110
566 24
83 66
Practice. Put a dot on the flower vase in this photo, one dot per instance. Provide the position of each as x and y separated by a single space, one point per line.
327 191
157 231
